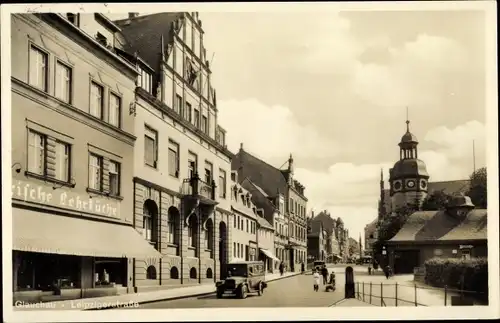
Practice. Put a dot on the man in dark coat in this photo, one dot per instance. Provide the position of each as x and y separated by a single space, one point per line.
324 273
282 268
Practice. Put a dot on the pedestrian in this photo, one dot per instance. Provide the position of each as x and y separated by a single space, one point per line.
332 278
282 268
369 269
303 267
324 273
316 277
387 271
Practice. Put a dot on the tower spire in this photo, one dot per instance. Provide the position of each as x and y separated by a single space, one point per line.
407 121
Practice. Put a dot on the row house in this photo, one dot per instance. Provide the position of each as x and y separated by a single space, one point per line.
283 201
182 205
72 159
253 235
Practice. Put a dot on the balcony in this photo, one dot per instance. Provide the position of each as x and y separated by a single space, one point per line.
196 187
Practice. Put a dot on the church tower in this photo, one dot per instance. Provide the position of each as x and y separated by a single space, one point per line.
381 202
408 177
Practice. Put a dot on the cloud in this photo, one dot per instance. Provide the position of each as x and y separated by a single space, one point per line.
351 191
271 131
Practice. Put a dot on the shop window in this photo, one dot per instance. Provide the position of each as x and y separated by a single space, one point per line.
209 273
151 272
173 228
149 223
193 233
209 237
174 273
192 273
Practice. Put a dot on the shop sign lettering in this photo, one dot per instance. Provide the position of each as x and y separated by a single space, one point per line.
31 192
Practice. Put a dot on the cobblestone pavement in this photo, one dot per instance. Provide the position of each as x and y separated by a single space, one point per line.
295 291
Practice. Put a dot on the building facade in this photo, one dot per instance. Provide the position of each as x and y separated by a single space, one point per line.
182 205
265 241
287 196
72 153
317 241
245 224
337 242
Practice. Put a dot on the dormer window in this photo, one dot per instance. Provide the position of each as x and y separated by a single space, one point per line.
145 80
101 39
73 18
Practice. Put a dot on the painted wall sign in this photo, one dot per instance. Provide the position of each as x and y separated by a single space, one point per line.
468 246
41 194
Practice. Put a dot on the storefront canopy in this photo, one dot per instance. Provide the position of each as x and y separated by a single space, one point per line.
48 233
269 254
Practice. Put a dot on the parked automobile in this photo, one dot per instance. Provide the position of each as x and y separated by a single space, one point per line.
317 265
243 277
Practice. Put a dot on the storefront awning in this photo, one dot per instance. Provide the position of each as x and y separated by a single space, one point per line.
269 254
47 233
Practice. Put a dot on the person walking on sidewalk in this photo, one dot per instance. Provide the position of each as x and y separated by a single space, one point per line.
369 269
387 271
324 273
316 277
302 267
282 268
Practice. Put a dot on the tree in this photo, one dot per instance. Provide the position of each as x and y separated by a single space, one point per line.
390 226
478 188
435 201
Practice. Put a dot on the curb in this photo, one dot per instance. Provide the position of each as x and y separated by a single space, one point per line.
173 298
337 302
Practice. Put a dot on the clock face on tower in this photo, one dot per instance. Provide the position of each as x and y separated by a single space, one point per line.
397 186
423 184
411 184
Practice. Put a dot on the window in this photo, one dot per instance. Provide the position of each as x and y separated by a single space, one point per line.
151 272
234 249
96 100
193 231
192 164
115 107
188 111
204 124
37 153
149 221
38 68
63 82
62 161
73 18
114 178
101 39
238 220
144 80
208 172
151 147
221 137
95 172
173 158
222 183
196 119
178 104
291 205
247 225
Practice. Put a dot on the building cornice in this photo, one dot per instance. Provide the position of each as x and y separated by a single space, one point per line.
107 22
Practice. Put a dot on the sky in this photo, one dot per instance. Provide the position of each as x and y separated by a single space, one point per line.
333 89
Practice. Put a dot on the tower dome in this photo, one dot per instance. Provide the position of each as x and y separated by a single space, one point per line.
408 176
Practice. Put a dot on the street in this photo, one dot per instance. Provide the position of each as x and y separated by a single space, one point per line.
295 291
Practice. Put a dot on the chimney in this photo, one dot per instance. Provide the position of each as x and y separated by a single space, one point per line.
241 146
132 15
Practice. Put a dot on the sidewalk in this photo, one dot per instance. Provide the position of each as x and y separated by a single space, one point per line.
131 300
351 302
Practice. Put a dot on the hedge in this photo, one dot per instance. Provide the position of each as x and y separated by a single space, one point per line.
440 272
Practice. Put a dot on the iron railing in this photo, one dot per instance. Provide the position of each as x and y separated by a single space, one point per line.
196 186
394 294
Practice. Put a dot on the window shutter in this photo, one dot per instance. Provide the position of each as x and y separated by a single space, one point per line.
105 175
52 157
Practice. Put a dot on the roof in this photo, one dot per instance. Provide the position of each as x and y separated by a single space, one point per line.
409 167
372 226
408 137
143 35
267 177
326 220
245 211
316 227
431 226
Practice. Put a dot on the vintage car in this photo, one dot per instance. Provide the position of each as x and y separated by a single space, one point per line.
243 277
317 265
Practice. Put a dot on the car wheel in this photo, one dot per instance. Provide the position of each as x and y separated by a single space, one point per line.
219 293
243 292
261 289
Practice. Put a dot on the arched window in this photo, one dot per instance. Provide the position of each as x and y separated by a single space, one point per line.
193 233
209 237
174 227
151 272
209 273
149 222
174 273
192 273
371 236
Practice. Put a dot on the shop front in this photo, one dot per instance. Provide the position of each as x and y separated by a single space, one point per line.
59 257
268 258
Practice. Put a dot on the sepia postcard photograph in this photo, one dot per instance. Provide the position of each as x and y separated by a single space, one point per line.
250 161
